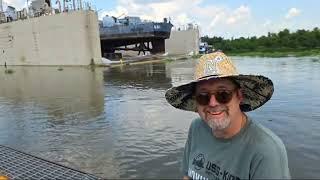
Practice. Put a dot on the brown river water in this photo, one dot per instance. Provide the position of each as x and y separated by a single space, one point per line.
116 123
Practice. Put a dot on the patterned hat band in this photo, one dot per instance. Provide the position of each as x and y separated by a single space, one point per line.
257 89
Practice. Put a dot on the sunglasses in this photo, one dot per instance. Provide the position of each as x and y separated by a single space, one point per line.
221 96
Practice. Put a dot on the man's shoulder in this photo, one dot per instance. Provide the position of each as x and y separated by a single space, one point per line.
265 139
270 155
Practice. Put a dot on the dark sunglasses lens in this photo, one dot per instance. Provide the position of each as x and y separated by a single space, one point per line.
203 99
223 97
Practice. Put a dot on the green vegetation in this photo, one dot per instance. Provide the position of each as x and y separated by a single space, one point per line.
169 59
284 43
196 56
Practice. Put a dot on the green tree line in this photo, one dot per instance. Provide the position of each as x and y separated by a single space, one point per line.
282 41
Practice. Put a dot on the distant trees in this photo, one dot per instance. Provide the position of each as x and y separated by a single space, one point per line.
281 41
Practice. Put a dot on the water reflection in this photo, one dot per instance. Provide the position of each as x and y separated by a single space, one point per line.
139 76
60 93
59 115
148 140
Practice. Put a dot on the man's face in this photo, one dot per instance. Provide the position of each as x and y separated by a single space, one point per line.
219 109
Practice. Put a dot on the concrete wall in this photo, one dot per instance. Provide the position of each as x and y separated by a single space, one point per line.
62 39
183 42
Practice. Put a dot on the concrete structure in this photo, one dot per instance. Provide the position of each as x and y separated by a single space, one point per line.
62 39
183 42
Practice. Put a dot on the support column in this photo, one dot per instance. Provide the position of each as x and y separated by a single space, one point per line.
158 46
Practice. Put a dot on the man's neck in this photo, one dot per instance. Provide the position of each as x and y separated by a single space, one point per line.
234 128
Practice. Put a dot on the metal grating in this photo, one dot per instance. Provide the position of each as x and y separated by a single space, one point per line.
18 165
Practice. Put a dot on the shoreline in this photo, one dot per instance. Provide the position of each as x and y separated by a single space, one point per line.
160 58
135 60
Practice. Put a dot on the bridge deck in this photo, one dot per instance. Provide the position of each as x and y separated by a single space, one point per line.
18 165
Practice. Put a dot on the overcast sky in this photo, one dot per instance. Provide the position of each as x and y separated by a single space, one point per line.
225 18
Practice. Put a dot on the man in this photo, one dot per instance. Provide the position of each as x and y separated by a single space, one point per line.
224 143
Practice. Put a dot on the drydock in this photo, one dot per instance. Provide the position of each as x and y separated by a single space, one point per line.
70 38
73 37
44 35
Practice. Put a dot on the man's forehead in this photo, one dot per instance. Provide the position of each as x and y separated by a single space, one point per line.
216 83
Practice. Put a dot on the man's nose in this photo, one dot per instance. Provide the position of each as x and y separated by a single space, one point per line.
213 101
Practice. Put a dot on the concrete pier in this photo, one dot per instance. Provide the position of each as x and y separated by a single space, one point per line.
183 42
62 39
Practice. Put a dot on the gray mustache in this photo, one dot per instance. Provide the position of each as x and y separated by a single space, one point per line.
218 109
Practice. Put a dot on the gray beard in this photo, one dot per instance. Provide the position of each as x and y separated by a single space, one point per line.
219 124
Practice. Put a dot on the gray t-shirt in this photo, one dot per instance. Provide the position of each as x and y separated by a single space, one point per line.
254 153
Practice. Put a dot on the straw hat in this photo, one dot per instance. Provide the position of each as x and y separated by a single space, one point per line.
257 89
